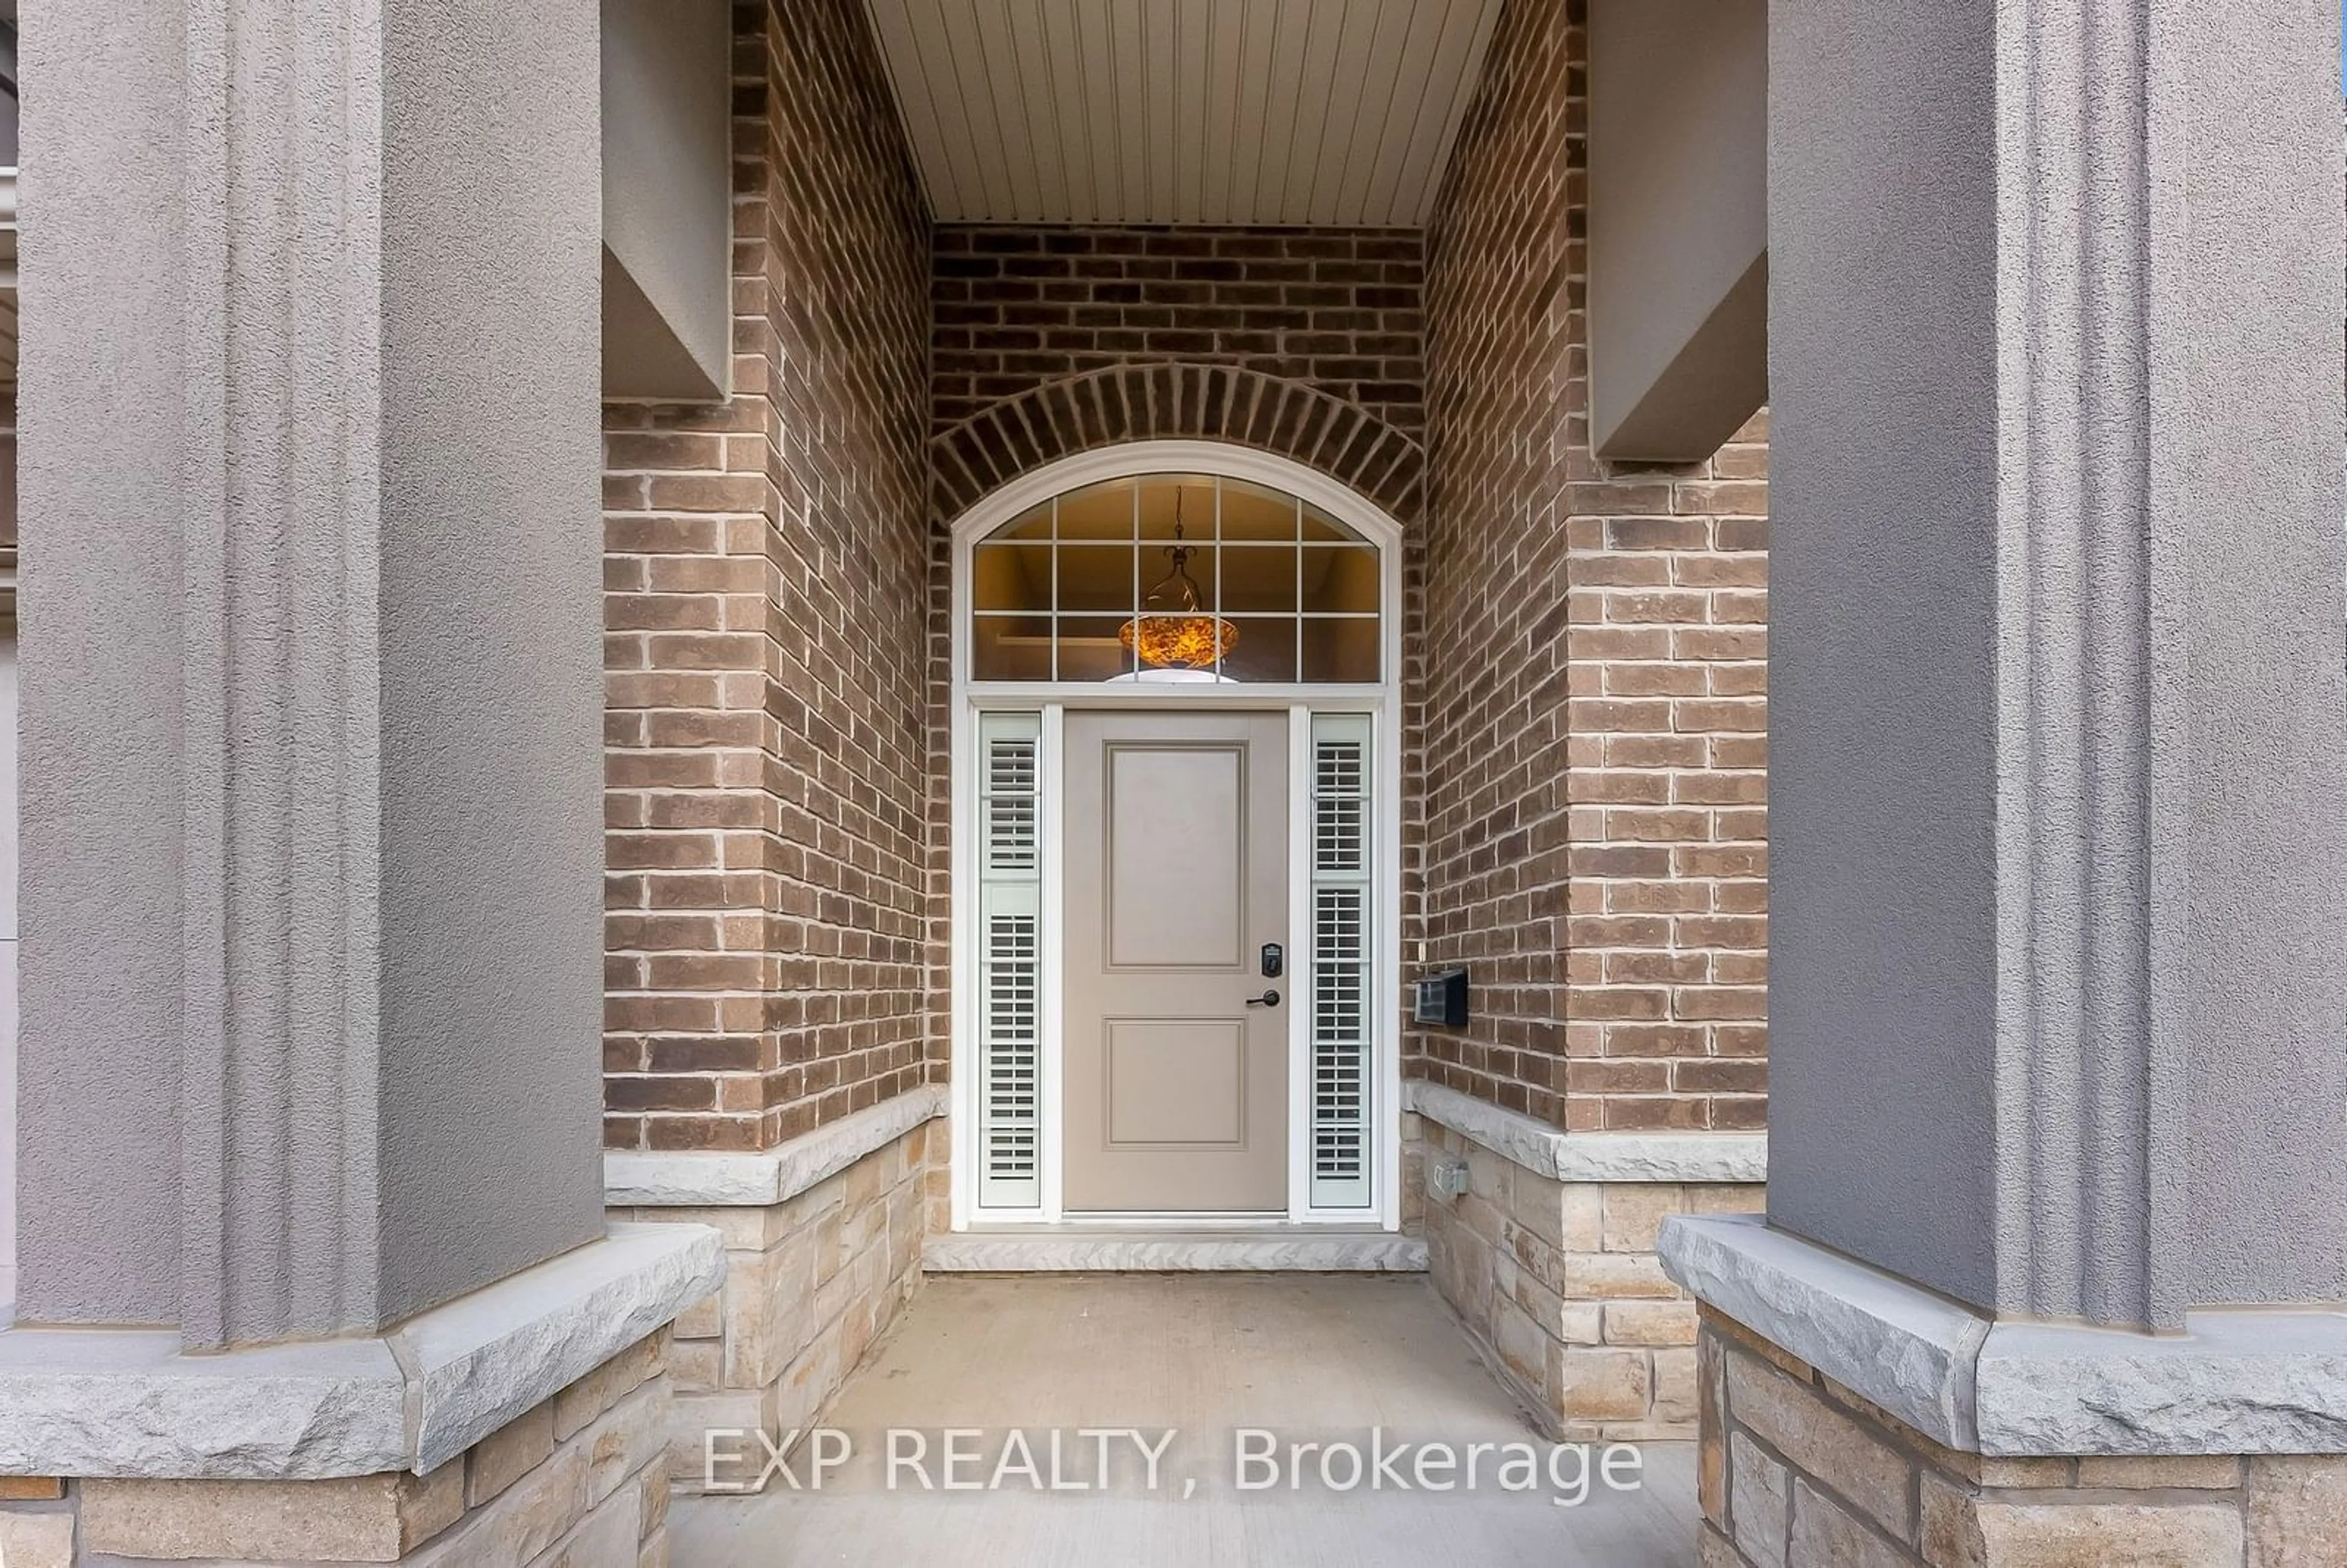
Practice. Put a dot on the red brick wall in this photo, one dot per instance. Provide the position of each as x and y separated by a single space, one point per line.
770 922
1592 700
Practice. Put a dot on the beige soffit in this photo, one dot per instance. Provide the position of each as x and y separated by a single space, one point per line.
1281 112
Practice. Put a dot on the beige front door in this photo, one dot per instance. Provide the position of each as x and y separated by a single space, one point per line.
1175 1088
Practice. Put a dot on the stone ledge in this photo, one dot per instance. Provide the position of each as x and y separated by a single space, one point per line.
487 1358
1739 1158
2237 1381
1050 1250
127 1404
640 1179
1905 1348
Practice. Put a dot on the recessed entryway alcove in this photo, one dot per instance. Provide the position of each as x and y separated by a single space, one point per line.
1175 849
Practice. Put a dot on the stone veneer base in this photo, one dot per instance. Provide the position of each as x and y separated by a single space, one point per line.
576 1479
2237 1381
118 1403
1796 1468
822 1244
1548 1258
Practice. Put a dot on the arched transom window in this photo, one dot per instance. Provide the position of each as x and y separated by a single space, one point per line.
1176 578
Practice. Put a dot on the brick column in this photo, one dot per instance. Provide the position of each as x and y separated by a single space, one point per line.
769 949
1595 690
774 947
1591 687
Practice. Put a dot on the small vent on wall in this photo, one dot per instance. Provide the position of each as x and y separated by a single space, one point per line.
1010 965
1343 972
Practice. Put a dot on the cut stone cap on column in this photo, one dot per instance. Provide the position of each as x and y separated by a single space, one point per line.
124 1403
2238 1381
728 1179
1729 1157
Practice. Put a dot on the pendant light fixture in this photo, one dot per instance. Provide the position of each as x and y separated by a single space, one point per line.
1173 631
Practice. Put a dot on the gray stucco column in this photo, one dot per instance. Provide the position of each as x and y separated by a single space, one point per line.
2058 674
310 653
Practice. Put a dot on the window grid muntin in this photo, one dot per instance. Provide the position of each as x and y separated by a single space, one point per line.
1053 615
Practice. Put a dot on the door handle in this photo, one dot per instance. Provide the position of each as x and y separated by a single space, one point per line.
1268 1000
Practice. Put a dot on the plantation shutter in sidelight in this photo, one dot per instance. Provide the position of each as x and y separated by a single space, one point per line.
1009 963
1343 927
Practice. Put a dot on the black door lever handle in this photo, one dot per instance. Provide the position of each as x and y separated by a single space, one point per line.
1268 1000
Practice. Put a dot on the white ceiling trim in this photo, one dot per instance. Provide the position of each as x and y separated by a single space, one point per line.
1282 112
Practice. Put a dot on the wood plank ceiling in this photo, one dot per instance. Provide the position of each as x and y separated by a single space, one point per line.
1279 112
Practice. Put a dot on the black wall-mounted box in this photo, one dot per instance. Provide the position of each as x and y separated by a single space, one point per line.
1441 998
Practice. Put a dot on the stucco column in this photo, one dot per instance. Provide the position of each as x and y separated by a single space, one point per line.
2058 703
312 689
2059 711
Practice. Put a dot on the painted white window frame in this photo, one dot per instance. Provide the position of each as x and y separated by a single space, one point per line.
1051 701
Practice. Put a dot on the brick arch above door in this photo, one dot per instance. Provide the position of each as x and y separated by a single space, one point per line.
1110 408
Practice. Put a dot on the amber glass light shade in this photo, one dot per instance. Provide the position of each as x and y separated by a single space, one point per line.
1179 642
1171 632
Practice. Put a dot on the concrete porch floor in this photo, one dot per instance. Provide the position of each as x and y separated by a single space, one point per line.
1310 1357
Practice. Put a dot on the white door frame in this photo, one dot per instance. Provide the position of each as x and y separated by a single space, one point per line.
1052 699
